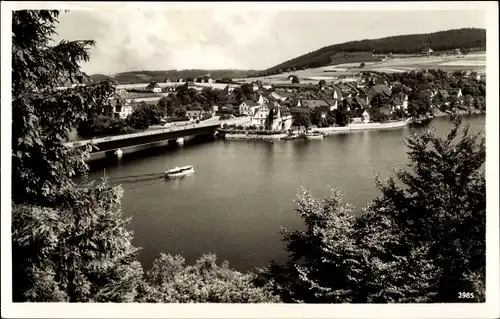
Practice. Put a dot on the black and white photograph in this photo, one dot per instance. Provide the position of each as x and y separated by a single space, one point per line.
250 160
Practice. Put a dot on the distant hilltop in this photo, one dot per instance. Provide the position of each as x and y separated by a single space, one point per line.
367 50
133 77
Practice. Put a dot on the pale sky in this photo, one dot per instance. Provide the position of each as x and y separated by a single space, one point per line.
135 40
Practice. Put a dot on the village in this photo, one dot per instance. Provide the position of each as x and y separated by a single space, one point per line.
370 97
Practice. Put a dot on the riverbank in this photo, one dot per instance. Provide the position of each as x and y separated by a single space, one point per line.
364 126
242 136
249 135
439 113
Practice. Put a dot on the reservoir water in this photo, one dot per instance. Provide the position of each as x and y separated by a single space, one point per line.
243 191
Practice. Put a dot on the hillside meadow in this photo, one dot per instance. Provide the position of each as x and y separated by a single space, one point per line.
475 62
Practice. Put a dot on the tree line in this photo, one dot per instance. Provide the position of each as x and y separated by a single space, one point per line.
421 240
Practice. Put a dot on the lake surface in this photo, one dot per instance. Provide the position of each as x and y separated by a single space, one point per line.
243 191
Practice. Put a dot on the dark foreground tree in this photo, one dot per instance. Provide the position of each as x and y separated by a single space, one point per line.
69 240
439 213
422 240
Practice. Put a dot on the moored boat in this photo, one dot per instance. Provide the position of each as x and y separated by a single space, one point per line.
314 136
291 137
179 171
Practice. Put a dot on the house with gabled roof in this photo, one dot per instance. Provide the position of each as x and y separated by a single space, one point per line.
247 107
153 87
334 103
282 117
383 90
296 110
362 102
400 101
312 104
267 86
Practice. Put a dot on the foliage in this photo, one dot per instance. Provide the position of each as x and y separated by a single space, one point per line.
302 119
69 241
295 79
341 116
139 119
317 116
441 211
170 280
163 105
423 241
247 90
270 119
104 125
376 115
379 100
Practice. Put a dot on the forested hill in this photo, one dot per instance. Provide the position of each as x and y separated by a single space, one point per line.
160 76
413 43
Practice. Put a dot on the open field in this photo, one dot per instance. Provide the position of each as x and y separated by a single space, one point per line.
475 62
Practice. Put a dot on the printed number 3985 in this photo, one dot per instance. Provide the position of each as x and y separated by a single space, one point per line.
465 295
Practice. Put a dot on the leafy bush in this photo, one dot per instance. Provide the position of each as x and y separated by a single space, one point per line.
170 280
423 242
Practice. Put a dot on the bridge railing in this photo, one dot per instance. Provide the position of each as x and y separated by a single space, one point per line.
176 128
140 134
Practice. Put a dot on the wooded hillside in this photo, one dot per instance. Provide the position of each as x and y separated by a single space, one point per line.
466 38
159 76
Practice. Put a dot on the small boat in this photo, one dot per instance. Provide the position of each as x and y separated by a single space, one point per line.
291 137
179 171
314 136
118 153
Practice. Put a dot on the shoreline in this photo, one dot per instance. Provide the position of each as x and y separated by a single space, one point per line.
326 131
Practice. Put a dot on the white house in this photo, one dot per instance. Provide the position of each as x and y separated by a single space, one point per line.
121 109
260 100
267 86
401 102
193 115
230 88
282 118
247 106
366 117
277 97
153 87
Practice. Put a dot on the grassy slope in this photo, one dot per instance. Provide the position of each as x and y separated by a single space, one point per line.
409 44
